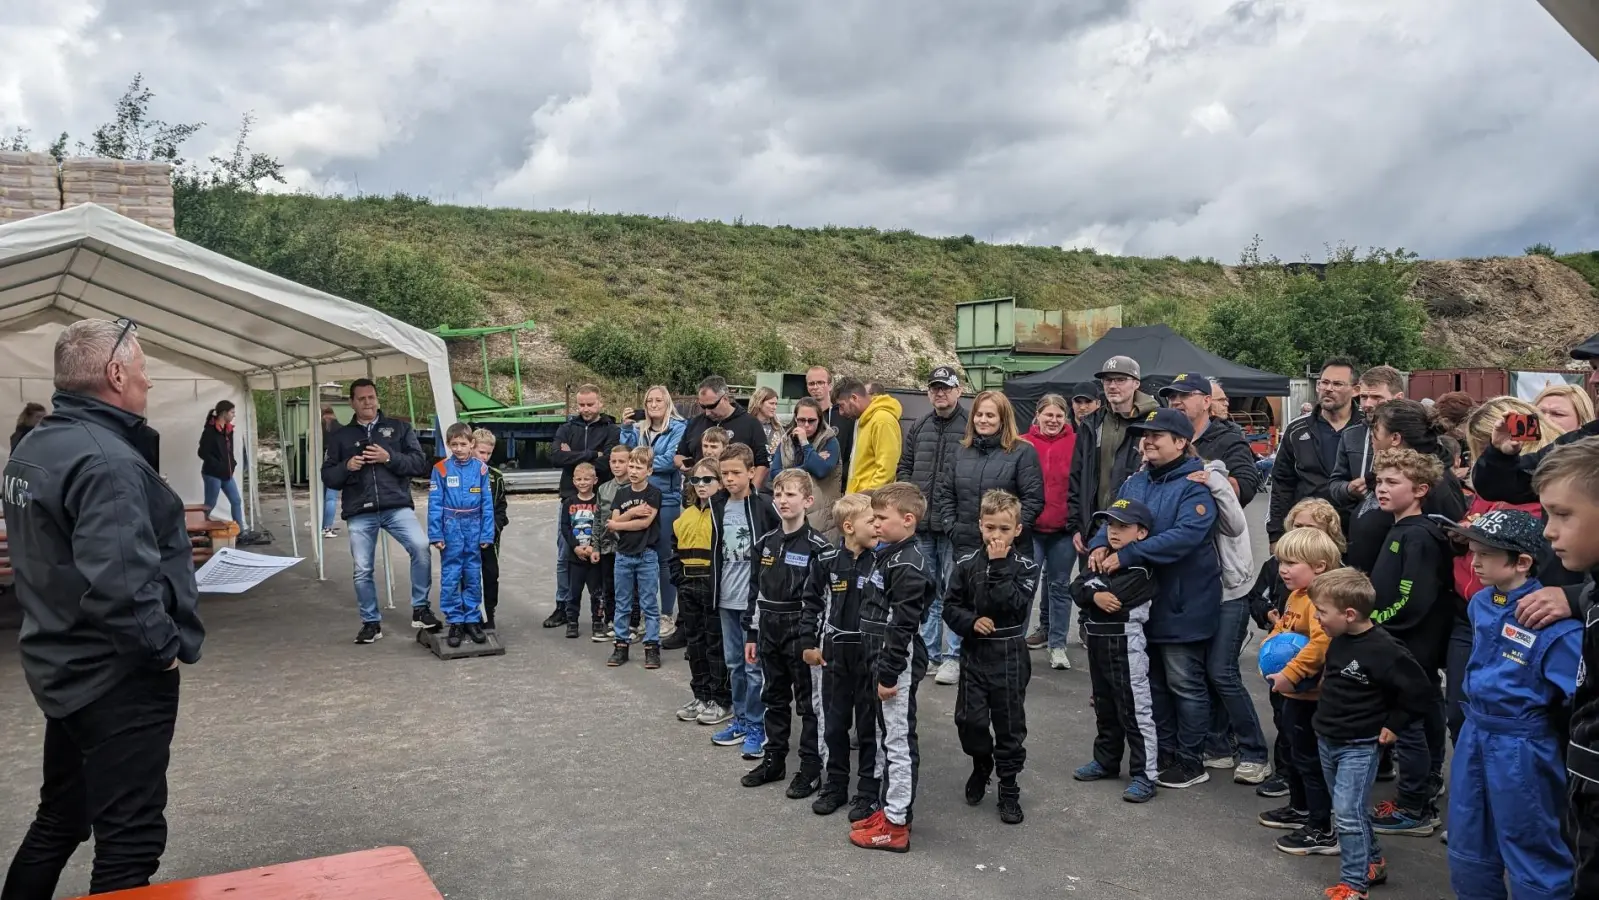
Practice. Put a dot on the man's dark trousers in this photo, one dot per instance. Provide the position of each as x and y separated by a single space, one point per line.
105 772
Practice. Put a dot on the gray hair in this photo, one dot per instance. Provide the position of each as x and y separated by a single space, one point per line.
716 384
84 349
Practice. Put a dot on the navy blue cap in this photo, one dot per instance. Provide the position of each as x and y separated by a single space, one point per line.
1588 350
1165 419
1188 383
1128 512
1505 529
1087 390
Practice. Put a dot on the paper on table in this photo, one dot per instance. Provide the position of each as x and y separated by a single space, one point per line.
231 571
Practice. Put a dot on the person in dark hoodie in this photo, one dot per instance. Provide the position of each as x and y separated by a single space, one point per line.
1182 557
217 462
1350 489
105 579
584 438
1308 449
1106 452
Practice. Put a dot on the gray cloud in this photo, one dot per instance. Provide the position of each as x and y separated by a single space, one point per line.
1142 126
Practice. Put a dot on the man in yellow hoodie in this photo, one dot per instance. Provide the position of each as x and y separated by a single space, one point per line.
878 441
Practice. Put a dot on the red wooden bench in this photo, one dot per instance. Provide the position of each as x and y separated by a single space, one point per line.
387 873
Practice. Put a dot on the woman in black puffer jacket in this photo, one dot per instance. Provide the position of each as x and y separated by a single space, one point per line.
992 457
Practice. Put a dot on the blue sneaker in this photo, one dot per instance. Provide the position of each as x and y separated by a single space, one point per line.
1092 772
1391 818
732 735
755 742
1139 790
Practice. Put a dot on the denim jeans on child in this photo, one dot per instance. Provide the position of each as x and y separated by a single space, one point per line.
745 679
228 486
637 581
1232 710
1350 768
1055 553
403 525
939 553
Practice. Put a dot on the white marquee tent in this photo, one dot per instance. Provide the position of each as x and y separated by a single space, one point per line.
213 328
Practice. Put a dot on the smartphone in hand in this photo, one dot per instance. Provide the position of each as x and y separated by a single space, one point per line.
1523 427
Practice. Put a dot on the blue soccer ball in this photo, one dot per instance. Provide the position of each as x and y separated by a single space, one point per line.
1279 650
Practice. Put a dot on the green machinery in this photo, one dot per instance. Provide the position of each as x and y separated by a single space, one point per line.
995 338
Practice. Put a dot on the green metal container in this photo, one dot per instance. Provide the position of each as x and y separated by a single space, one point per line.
998 324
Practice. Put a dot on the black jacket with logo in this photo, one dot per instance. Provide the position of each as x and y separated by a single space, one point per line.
897 599
104 568
791 574
1298 472
374 488
930 446
840 616
1000 590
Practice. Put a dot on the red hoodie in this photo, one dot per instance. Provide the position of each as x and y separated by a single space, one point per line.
1055 458
1466 581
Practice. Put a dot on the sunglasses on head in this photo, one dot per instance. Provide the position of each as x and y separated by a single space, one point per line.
701 480
128 325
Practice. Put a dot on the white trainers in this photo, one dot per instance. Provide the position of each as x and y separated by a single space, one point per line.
1058 658
668 625
690 711
1252 772
1220 762
949 672
714 713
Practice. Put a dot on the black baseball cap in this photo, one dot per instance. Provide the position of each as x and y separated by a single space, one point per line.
1188 383
1087 390
1588 350
1128 512
1168 420
1505 529
944 376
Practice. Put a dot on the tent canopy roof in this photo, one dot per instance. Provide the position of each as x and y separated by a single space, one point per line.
1162 355
89 262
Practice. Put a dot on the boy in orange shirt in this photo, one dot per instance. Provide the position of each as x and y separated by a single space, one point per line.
1302 554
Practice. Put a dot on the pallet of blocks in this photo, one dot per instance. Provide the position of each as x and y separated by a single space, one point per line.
142 191
28 186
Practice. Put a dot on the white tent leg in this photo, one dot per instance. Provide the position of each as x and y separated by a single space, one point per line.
288 476
383 538
252 448
314 451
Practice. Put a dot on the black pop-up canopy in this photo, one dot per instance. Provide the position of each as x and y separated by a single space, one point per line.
1162 355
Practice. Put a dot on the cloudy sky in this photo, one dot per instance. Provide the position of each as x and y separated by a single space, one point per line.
1463 127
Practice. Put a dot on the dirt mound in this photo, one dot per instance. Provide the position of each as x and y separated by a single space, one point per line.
1523 311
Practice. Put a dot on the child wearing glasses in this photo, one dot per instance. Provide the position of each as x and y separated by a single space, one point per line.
692 574
812 445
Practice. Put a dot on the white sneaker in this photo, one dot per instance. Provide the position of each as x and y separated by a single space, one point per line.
1058 658
690 711
949 672
1220 762
668 625
1252 772
330 532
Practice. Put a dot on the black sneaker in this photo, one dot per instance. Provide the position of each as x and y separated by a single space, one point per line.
652 656
861 808
423 617
1286 818
475 632
1010 809
618 656
597 632
488 624
454 637
677 640
1385 768
571 628
370 631
1309 841
1183 775
1275 786
977 783
829 801
803 785
556 619
766 772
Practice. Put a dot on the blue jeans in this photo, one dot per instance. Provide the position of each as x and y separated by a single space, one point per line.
1182 700
663 552
330 508
230 486
745 679
563 585
940 555
1232 712
1350 768
403 525
1054 551
636 581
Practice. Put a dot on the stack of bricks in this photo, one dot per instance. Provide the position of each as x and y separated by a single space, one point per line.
28 186
142 191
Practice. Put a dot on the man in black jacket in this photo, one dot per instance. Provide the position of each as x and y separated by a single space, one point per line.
1107 452
1215 438
717 410
930 447
584 438
371 461
1308 448
105 578
1348 489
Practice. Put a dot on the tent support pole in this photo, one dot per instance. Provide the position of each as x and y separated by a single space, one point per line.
383 539
410 399
288 475
252 449
516 366
313 462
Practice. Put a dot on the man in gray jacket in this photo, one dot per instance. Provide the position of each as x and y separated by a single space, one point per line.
930 447
105 578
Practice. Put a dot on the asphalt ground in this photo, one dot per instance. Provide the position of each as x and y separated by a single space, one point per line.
542 773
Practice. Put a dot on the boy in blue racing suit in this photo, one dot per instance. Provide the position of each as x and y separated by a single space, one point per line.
460 525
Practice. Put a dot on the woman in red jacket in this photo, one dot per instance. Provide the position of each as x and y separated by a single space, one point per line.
1052 436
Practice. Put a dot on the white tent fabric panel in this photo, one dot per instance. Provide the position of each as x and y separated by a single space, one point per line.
90 262
183 390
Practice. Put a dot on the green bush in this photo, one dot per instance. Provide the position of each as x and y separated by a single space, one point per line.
1541 249
685 354
770 353
610 350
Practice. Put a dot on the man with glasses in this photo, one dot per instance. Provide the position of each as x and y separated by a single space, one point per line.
105 579
717 410
1307 452
930 446
819 385
1107 451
